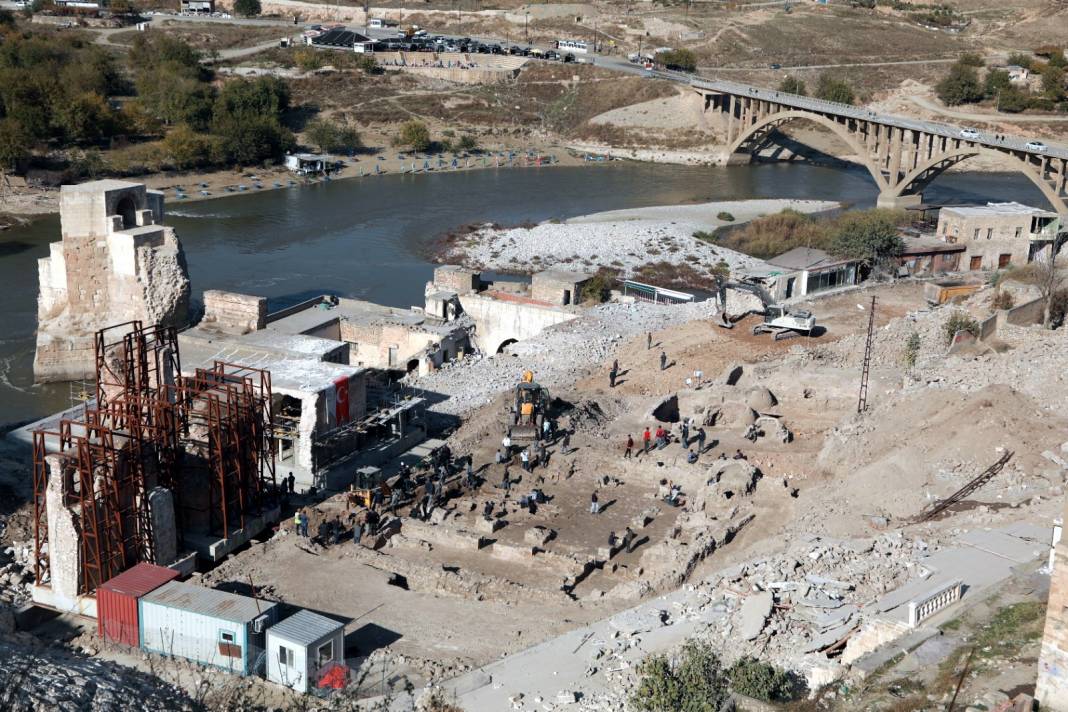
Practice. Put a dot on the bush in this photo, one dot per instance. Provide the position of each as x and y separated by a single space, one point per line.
599 287
762 681
683 60
415 135
367 64
792 85
331 137
831 89
467 142
693 681
871 235
1002 300
971 59
248 8
960 86
957 322
1013 100
1020 59
307 59
705 236
912 351
1058 308
724 216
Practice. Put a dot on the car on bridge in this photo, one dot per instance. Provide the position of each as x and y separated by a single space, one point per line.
970 134
1035 146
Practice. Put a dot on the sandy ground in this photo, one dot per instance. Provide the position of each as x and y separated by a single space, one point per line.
624 239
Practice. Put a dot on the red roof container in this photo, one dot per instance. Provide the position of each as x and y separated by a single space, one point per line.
116 601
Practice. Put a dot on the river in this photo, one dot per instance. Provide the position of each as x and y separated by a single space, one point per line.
366 237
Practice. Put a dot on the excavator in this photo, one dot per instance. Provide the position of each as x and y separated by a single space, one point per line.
778 319
529 406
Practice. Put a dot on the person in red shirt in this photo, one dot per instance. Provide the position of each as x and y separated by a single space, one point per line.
645 440
661 436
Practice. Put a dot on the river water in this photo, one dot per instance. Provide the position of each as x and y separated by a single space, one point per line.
365 237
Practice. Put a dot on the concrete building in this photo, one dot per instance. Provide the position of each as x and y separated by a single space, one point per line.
805 270
927 256
303 646
559 287
997 235
116 262
207 626
197 7
306 164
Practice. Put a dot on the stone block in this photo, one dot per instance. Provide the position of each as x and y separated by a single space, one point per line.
538 536
489 526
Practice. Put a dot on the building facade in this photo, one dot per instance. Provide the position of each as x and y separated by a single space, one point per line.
806 270
998 235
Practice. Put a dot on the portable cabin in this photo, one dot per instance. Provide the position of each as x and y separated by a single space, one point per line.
302 647
206 626
116 601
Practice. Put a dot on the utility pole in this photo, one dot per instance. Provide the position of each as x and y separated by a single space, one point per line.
862 401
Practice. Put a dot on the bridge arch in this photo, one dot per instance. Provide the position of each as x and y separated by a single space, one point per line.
779 118
505 344
925 173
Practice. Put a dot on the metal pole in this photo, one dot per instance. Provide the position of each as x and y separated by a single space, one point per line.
862 401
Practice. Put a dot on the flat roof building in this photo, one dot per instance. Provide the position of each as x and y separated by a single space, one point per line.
303 647
807 270
997 235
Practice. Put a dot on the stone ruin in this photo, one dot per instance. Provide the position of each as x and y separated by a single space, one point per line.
116 263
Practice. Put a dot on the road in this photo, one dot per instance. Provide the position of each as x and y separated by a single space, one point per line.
799 67
925 103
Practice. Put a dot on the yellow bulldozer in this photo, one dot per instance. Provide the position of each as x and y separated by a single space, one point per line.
530 402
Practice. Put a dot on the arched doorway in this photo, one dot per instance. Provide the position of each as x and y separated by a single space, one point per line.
127 208
505 344
413 366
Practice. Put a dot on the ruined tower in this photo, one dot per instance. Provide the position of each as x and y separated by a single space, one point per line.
116 262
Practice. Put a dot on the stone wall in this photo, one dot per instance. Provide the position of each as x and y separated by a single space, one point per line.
234 313
457 279
1052 688
499 320
1028 313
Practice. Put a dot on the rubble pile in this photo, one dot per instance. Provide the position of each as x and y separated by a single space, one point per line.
16 574
556 356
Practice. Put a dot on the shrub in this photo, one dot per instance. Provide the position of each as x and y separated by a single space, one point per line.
957 322
871 235
599 287
831 89
960 86
971 59
330 136
912 351
415 135
248 8
693 681
1058 308
793 85
307 59
1021 59
681 59
467 142
1003 300
367 64
762 681
724 216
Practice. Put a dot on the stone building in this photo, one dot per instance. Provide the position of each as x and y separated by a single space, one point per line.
997 235
558 287
116 262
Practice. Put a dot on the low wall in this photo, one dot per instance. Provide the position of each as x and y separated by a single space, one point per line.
988 327
234 313
1027 313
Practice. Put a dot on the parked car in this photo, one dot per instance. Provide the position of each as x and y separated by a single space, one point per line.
496 49
971 134
775 65
1035 146
553 55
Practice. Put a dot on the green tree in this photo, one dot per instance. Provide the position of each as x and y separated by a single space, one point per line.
88 117
959 86
1053 82
415 135
683 60
7 19
175 98
831 89
330 136
971 59
152 49
187 148
871 235
252 140
996 80
1057 59
15 145
467 142
1014 100
693 682
1020 59
792 85
248 8
366 63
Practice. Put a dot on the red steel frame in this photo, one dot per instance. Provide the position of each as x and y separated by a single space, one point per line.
135 438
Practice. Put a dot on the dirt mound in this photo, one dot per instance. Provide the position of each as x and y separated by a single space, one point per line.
924 445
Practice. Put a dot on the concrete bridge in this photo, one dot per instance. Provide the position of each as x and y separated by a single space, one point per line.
902 155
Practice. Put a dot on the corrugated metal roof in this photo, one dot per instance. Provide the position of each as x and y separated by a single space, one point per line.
305 628
208 602
139 580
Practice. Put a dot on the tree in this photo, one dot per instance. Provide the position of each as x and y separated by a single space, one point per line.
468 143
415 135
1014 100
186 148
1053 82
971 59
830 89
762 681
366 63
959 86
1049 280
88 117
15 145
1020 59
997 80
331 137
683 60
871 236
693 682
792 85
248 8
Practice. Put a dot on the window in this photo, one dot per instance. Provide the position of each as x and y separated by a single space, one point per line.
989 232
226 636
285 656
975 236
324 654
1004 261
1019 231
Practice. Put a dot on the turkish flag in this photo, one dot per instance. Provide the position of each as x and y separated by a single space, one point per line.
341 401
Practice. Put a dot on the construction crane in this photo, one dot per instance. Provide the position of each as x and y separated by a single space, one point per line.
530 402
778 318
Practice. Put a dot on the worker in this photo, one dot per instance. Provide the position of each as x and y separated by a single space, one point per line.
470 474
524 458
663 360
628 450
304 524
291 481
686 432
613 540
701 439
394 500
506 482
571 470
296 521
499 457
506 443
376 498
673 495
692 457
357 532
544 456
739 455
335 530
661 436
487 510
645 441
629 539
565 445
595 506
613 374
648 340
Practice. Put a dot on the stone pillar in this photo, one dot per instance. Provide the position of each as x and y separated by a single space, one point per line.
731 106
64 538
1052 688
895 154
164 530
896 202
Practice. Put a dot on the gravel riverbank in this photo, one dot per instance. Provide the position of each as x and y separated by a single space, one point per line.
626 240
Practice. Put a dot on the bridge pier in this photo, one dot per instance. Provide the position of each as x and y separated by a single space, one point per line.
898 202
